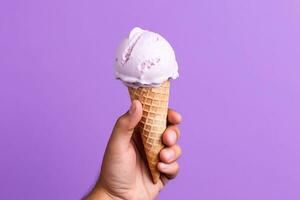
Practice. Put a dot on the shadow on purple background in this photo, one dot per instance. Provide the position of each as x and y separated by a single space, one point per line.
239 93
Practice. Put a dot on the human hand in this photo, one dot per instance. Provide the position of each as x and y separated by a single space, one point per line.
124 172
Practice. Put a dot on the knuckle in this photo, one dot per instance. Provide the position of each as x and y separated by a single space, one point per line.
179 117
178 150
172 128
121 122
177 168
176 130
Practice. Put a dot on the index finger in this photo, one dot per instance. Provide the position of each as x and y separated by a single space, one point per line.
174 117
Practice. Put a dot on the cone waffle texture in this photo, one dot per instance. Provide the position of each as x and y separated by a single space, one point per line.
154 121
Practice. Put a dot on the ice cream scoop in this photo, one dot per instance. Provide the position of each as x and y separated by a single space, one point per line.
145 59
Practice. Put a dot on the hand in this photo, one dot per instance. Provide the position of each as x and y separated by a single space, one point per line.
124 173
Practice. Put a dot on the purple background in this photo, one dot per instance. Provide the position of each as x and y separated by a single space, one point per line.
239 93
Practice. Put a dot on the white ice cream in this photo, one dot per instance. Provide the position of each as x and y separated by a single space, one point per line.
145 59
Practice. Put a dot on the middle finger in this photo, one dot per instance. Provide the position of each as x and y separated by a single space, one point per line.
170 154
171 135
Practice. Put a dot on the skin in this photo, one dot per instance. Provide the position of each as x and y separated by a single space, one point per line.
124 172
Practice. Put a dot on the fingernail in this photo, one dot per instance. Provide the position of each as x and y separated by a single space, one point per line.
169 154
132 108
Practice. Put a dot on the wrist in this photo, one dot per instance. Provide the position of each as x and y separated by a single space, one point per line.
100 193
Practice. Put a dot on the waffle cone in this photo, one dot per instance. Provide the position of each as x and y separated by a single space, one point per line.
154 121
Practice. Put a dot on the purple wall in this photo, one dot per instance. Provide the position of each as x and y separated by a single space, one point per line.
239 93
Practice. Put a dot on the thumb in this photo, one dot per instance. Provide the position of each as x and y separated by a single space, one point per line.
125 125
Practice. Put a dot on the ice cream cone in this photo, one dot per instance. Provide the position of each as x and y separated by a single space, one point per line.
154 121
